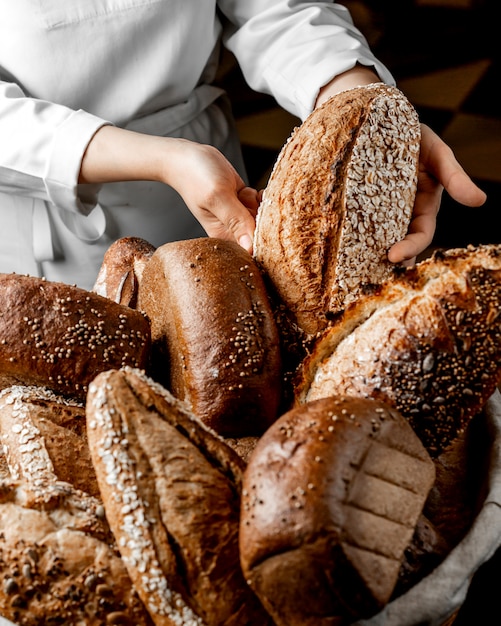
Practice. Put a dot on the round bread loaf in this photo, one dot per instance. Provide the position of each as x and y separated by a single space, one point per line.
428 342
171 490
122 269
340 195
60 336
331 497
215 343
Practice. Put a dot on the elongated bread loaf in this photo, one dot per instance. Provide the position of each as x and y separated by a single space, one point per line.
341 193
60 336
122 269
427 342
171 490
331 498
214 338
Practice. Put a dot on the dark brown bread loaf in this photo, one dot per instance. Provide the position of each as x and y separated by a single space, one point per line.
54 422
341 193
428 342
214 339
60 336
331 497
122 270
171 490
58 559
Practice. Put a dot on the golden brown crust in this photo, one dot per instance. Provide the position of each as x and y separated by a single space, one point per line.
331 497
122 269
60 336
427 342
171 492
58 424
215 340
341 193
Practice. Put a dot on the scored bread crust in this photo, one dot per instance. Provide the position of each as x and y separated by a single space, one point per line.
122 269
60 336
340 194
428 342
331 497
171 490
215 342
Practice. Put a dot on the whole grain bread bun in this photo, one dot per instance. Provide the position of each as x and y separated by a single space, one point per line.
171 490
58 559
340 195
60 336
122 269
215 342
331 497
428 342
48 421
58 562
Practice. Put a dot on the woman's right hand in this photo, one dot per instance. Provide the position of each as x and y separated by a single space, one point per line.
210 186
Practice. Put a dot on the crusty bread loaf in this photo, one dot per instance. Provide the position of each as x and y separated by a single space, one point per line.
122 269
341 193
58 557
331 497
215 342
50 422
60 336
171 490
428 342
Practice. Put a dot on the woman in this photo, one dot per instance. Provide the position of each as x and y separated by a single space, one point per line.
110 124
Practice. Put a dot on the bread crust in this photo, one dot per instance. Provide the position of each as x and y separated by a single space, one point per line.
428 342
341 193
215 342
60 336
331 497
122 269
171 490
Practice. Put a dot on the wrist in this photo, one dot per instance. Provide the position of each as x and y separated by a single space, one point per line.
355 77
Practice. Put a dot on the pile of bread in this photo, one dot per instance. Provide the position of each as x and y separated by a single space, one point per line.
209 437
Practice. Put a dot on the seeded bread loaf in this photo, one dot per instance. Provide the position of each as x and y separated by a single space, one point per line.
171 490
341 193
60 336
215 342
331 497
51 422
428 342
122 269
59 563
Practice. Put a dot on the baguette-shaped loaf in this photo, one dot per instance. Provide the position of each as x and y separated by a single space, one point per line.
428 342
60 336
340 195
171 490
215 342
122 269
332 495
52 423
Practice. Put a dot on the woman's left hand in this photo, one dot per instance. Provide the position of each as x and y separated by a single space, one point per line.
438 170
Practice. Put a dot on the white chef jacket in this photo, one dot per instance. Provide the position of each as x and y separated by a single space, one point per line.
69 67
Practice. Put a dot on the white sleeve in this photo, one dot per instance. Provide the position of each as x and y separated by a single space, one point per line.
41 149
291 48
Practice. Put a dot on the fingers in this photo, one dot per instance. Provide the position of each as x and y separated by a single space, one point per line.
438 159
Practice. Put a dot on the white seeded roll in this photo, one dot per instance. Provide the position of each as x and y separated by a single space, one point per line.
331 498
215 342
171 490
427 342
60 336
122 270
341 193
